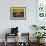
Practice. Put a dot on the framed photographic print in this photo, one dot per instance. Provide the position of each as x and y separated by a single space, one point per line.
17 13
41 12
41 8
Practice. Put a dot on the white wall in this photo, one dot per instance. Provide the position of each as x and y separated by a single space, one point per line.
24 25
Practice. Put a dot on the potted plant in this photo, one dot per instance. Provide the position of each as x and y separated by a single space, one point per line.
42 27
39 35
38 27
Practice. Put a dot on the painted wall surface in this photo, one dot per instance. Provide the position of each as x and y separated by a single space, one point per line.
23 25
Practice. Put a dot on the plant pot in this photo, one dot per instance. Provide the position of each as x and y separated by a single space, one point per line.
38 40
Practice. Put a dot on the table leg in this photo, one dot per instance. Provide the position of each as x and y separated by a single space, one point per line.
5 40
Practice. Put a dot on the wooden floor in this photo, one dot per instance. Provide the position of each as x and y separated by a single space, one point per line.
13 44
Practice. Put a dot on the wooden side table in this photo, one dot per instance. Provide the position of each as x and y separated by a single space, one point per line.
27 37
8 34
